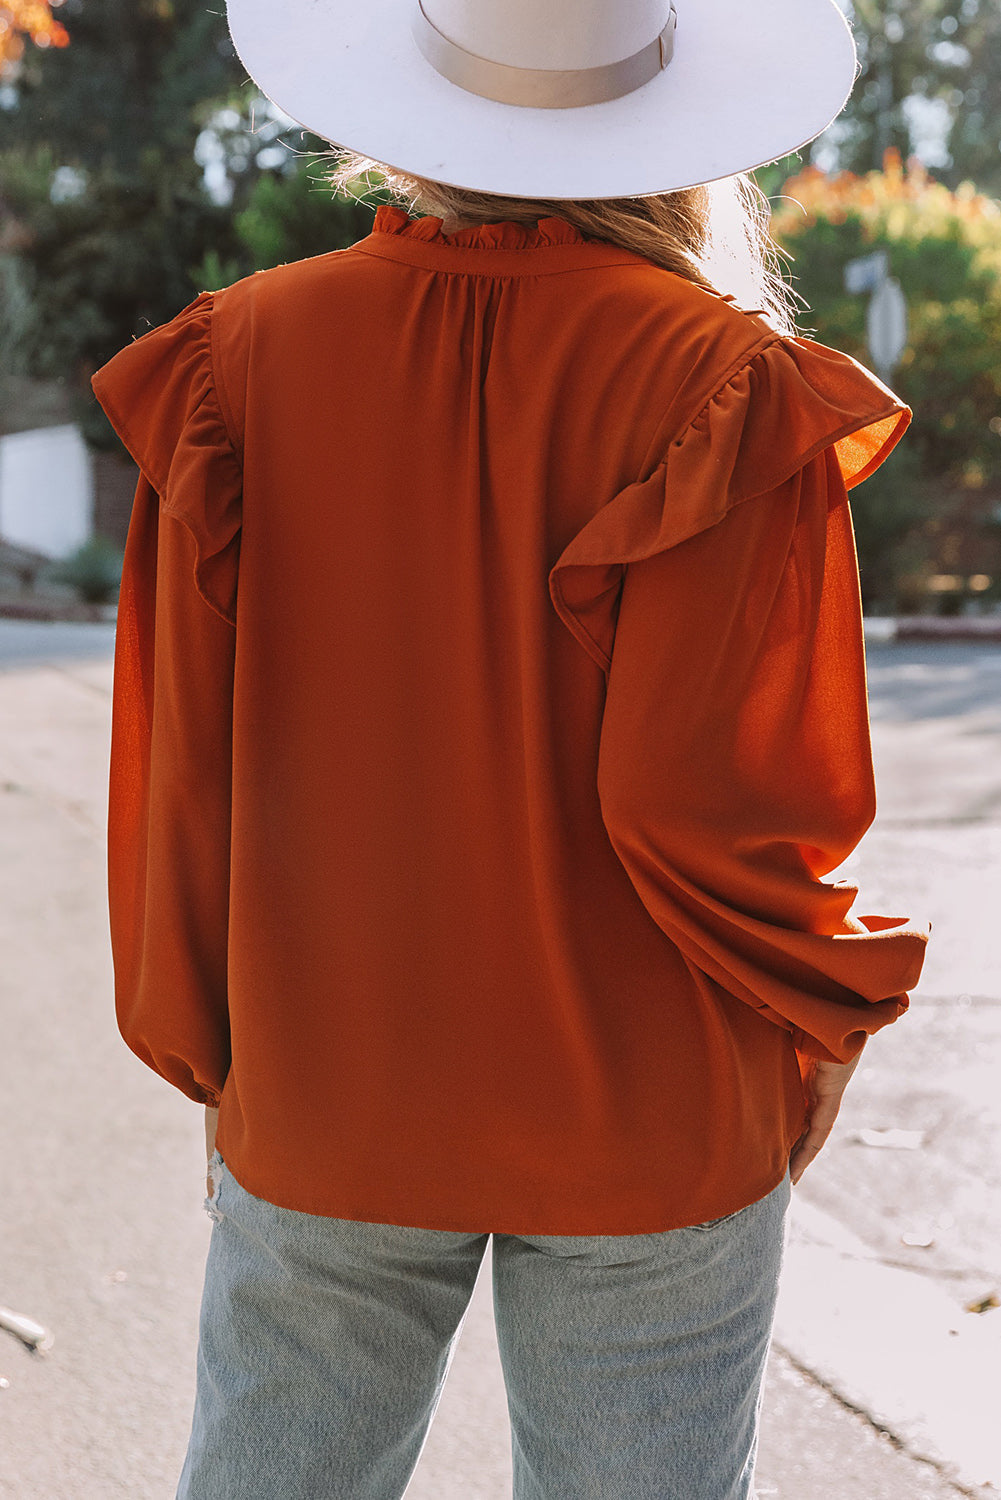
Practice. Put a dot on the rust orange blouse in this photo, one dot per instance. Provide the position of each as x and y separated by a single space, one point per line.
489 707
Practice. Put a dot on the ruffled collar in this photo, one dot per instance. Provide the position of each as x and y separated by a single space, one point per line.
503 235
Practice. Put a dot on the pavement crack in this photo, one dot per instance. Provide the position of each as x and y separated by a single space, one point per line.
979 1492
937 1273
971 1274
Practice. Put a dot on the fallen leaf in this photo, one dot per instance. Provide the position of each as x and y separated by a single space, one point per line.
984 1304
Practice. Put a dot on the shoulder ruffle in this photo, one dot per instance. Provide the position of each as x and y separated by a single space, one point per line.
502 235
160 396
791 400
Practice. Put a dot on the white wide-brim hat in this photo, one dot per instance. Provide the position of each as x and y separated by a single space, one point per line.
426 86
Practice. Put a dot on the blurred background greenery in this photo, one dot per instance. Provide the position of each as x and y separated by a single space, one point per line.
138 166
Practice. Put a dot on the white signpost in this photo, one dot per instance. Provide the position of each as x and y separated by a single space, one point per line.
886 320
866 273
887 326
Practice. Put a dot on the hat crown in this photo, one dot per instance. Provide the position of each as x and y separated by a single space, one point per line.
557 34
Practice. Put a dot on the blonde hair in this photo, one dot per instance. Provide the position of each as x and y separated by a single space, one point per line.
715 235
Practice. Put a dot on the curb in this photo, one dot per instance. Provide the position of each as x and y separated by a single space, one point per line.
880 628
54 611
891 1344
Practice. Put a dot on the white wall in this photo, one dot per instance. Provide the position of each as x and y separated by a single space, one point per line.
46 490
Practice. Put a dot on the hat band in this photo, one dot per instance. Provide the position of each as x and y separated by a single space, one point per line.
542 88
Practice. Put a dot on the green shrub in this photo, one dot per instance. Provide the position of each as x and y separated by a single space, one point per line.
94 570
928 514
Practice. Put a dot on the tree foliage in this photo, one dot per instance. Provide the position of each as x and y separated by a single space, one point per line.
106 264
930 85
935 499
138 77
290 215
106 197
30 20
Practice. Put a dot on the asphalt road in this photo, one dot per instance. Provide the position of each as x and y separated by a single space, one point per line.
102 1236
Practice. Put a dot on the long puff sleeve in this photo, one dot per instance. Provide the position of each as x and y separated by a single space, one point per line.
720 596
171 759
735 765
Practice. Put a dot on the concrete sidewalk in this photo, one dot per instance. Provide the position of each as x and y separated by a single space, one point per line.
101 1183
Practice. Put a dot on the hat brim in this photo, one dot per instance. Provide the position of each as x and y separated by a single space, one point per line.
749 83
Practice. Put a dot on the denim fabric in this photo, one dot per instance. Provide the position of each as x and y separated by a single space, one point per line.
633 1363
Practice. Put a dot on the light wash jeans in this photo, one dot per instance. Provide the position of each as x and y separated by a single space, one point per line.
633 1363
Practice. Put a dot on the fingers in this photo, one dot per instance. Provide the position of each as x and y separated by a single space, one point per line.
826 1083
806 1150
815 1137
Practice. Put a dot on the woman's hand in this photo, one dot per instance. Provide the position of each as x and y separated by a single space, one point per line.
825 1084
211 1122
